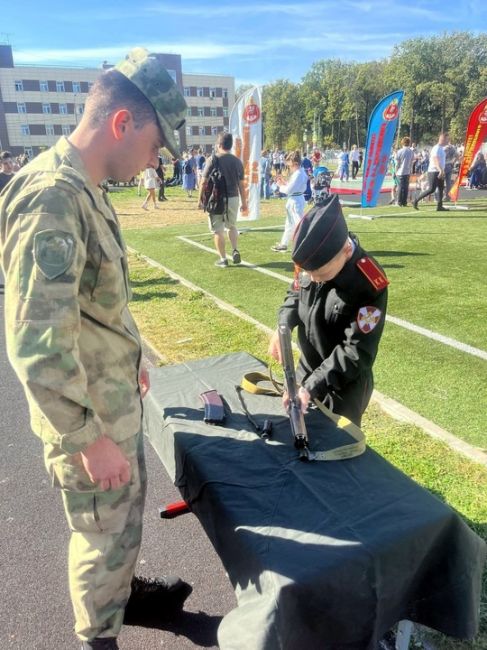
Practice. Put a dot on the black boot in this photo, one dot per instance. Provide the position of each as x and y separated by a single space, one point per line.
108 643
155 600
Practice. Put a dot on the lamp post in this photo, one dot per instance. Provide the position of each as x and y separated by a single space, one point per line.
305 141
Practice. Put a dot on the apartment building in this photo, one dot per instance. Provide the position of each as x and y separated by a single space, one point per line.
40 103
210 99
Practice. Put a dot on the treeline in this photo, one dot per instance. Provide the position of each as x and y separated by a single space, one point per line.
443 77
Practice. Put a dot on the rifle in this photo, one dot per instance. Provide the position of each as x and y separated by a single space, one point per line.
294 408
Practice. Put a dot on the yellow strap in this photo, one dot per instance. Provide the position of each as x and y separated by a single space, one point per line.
250 383
345 451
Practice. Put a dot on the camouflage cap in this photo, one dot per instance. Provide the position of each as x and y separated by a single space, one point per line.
153 80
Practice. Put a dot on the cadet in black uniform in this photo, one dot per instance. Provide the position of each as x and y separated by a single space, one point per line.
338 303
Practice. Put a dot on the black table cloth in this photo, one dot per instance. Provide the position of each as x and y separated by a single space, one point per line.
322 555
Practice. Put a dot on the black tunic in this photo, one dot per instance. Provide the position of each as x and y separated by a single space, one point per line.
339 328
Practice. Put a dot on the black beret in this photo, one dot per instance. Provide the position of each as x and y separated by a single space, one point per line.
320 235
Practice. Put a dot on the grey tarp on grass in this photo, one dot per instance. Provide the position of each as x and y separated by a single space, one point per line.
323 555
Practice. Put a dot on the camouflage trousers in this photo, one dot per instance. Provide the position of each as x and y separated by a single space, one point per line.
106 530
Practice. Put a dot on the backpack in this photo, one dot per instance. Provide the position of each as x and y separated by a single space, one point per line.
215 200
188 167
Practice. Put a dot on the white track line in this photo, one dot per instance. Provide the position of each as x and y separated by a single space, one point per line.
423 331
387 404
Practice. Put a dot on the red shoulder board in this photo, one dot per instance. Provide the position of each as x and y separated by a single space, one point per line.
373 273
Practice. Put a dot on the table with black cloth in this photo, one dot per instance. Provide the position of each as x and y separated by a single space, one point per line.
322 555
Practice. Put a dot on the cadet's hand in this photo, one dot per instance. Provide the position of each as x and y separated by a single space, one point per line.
105 464
274 349
304 398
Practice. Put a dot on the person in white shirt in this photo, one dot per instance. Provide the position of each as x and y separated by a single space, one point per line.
404 163
151 181
295 204
355 158
436 174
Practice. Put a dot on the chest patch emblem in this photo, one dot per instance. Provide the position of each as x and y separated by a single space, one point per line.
367 318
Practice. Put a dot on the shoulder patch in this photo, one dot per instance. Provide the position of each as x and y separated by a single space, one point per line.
367 318
53 252
373 273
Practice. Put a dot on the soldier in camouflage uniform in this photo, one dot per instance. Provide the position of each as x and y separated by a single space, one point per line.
72 339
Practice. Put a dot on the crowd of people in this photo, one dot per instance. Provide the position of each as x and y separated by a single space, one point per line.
418 173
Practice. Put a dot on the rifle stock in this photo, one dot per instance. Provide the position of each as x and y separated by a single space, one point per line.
294 409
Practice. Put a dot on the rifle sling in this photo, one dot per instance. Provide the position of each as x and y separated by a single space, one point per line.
250 383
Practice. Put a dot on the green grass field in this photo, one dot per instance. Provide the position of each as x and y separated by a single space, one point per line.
436 270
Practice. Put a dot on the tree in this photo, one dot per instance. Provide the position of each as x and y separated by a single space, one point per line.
242 89
282 113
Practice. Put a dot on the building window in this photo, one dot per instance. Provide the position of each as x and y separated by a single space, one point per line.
199 92
46 108
90 84
44 86
60 86
201 111
24 129
29 152
186 91
76 87
172 74
63 109
225 112
49 129
202 130
212 92
21 107
214 130
66 129
188 130
80 109
19 85
225 92
188 111
213 112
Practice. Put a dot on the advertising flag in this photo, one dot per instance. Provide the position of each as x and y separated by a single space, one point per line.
476 134
246 128
380 136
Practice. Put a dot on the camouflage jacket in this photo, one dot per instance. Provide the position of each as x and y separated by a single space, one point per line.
70 335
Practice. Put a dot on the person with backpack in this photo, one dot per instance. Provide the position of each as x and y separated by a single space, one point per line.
221 185
189 173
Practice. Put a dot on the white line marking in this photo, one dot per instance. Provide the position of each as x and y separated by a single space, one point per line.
222 304
453 343
423 331
254 267
395 409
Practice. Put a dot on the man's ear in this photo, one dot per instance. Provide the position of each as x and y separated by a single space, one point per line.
119 123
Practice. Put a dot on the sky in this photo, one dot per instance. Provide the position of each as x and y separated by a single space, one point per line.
255 42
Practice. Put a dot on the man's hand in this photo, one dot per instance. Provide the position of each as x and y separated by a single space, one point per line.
105 464
441 174
304 398
274 349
